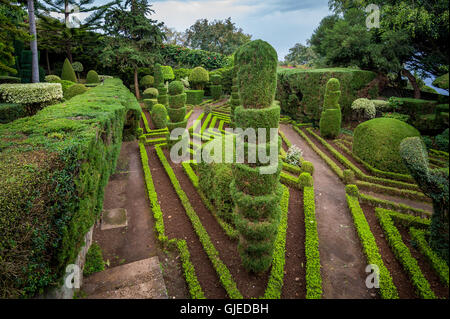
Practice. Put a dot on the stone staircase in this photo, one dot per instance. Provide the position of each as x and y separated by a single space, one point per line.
137 280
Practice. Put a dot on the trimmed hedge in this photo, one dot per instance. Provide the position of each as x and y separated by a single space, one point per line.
194 97
10 112
75 90
54 167
148 103
9 79
301 92
52 79
216 92
198 78
150 93
167 72
92 77
147 81
159 116
94 260
68 73
377 142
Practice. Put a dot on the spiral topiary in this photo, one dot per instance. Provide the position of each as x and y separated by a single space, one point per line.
158 75
198 78
256 196
331 117
159 116
177 107
67 72
434 183
92 77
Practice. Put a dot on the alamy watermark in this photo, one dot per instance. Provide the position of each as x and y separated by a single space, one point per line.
373 17
373 279
73 277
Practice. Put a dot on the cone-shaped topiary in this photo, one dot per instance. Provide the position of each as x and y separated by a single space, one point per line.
68 73
198 78
256 196
92 77
331 117
159 116
434 183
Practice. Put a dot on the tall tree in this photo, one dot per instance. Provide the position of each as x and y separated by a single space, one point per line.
33 43
133 39
301 54
12 28
217 36
174 37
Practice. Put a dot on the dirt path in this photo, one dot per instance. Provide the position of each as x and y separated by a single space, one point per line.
342 260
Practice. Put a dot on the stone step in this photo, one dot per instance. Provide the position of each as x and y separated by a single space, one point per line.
137 280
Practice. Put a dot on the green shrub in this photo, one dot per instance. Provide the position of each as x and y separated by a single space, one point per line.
188 58
158 75
397 116
305 180
75 90
364 106
9 79
159 116
226 81
147 81
441 82
176 87
92 77
77 66
10 112
294 155
349 176
412 107
216 92
150 93
331 118
194 97
307 167
216 79
167 72
257 84
441 141
68 73
52 79
54 167
198 78
182 73
149 104
301 92
377 142
94 260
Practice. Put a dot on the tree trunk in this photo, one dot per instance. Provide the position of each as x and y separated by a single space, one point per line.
136 84
413 82
48 61
33 43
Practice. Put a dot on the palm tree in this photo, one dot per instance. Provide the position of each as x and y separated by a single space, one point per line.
33 43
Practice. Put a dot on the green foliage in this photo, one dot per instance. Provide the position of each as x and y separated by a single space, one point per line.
435 184
302 92
185 58
365 106
442 140
74 90
159 116
441 82
194 97
301 55
182 73
147 81
176 87
54 167
349 176
377 142
370 249
257 81
10 112
331 118
226 75
412 107
167 72
150 93
216 78
68 73
94 260
216 92
78 67
52 79
158 75
149 104
307 167
198 78
9 79
397 116
305 180
92 77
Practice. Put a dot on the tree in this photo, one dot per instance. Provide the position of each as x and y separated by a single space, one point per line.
301 54
33 43
13 28
173 36
133 40
217 36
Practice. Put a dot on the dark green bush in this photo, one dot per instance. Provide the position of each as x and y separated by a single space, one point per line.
182 73
92 77
176 87
441 141
52 79
194 97
10 112
74 90
377 142
226 75
147 81
150 93
54 167
178 56
9 79
198 78
68 73
331 118
149 103
216 92
159 116
158 75
94 260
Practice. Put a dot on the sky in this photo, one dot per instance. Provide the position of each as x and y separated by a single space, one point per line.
282 23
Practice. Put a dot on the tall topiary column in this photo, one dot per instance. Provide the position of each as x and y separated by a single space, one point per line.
434 183
177 106
216 87
256 195
159 83
331 118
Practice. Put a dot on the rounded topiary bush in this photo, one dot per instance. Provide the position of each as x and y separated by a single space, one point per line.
176 87
198 78
377 142
159 116
68 73
74 90
92 77
77 66
167 72
256 80
147 81
150 93
52 79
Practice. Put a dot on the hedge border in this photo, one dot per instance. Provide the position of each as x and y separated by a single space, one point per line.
221 269
194 286
387 288
403 254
